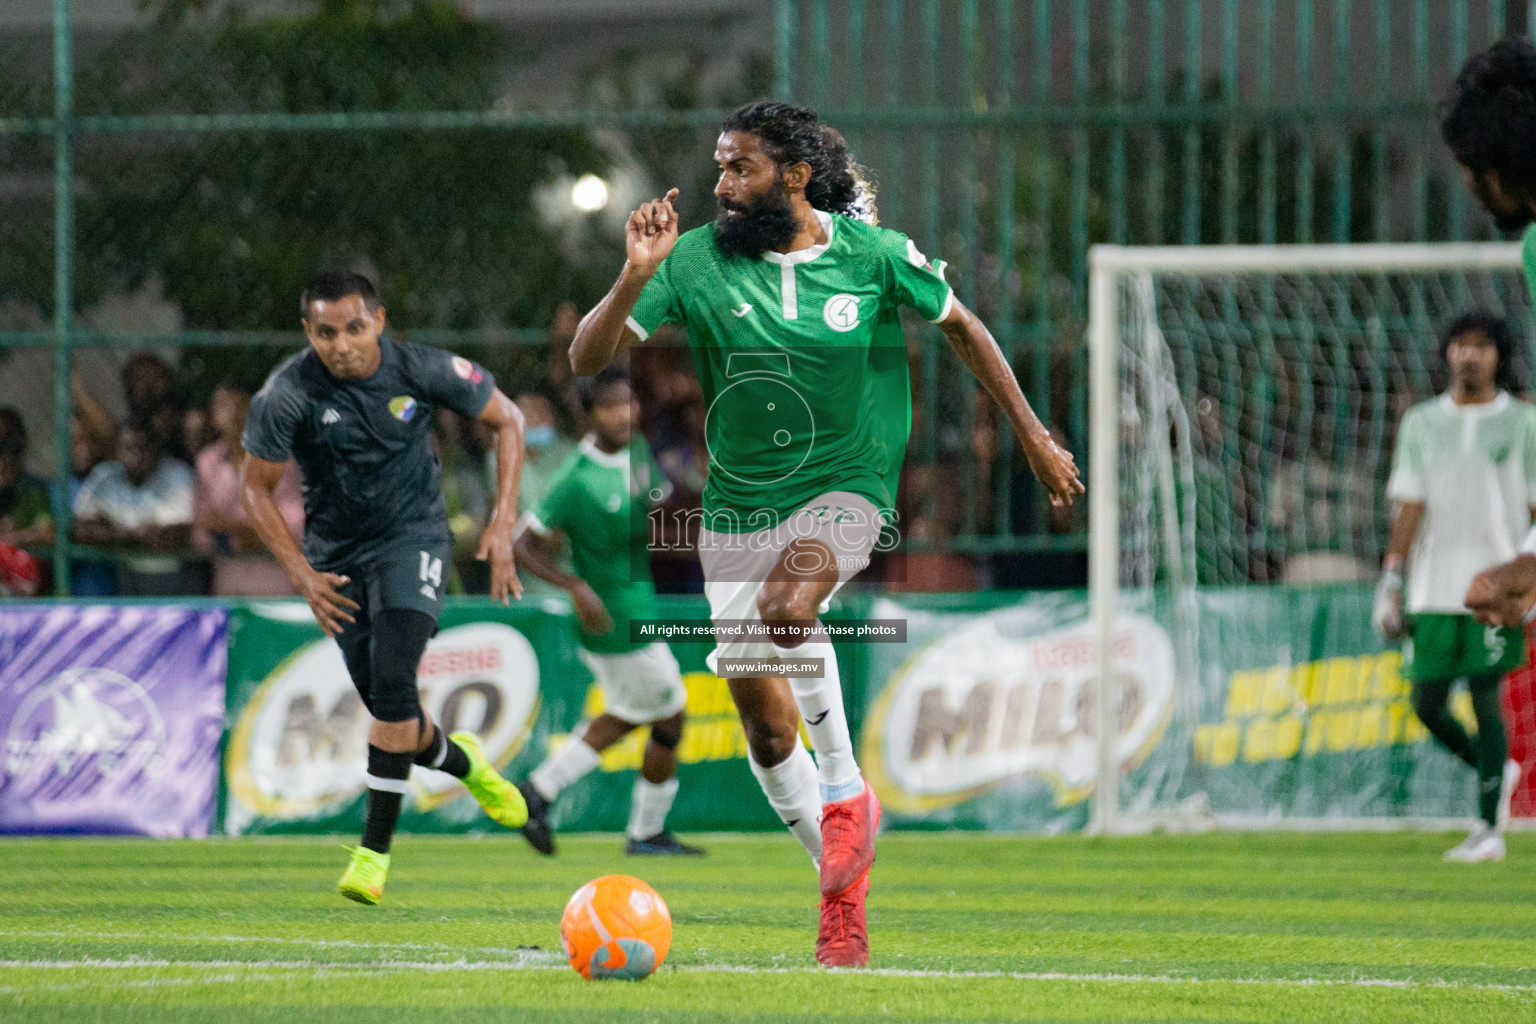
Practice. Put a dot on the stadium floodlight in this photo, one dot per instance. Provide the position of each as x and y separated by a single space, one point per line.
589 194
1243 403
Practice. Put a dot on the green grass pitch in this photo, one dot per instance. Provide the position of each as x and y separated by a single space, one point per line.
1228 927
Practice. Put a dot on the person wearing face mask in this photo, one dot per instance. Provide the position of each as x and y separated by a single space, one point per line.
547 449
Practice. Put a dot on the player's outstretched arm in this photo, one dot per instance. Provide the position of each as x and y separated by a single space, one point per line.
258 479
502 415
1052 464
648 238
1504 595
536 552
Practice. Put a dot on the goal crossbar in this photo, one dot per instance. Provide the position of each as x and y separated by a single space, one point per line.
1256 259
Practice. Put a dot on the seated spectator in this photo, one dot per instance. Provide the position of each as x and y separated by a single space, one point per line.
221 526
149 389
25 516
88 577
141 502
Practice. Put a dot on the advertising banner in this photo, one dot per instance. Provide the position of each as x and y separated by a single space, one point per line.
1285 706
297 749
297 752
111 718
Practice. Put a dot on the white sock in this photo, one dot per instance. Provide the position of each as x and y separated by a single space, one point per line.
821 705
790 787
648 807
564 766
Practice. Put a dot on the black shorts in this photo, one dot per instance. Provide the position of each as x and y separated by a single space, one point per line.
408 576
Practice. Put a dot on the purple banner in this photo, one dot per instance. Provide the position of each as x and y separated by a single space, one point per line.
110 718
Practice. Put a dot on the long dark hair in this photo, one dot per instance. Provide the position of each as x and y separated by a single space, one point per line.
793 135
1488 116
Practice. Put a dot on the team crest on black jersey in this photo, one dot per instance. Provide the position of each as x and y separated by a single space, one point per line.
402 408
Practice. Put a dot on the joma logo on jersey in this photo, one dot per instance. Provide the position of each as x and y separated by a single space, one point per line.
841 312
402 408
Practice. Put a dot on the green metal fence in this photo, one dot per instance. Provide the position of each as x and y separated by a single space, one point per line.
1007 136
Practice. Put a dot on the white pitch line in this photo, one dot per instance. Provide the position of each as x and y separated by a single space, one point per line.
551 961
275 940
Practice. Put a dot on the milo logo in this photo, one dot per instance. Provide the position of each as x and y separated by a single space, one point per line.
299 748
987 702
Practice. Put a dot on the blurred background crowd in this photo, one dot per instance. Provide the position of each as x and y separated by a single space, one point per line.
154 487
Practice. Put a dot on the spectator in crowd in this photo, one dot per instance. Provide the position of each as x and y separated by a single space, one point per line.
677 427
558 375
469 505
141 502
546 448
149 393
1320 508
88 577
221 526
928 506
25 517
149 390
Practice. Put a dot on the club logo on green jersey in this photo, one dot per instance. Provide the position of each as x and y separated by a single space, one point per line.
402 408
841 312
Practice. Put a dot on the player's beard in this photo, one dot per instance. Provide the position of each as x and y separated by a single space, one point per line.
751 229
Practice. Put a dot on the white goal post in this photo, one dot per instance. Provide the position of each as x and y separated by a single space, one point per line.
1136 294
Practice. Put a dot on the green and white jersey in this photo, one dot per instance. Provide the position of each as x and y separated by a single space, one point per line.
802 361
600 501
1474 468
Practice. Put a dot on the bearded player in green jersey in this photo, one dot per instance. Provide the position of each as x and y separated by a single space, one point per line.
1488 119
791 302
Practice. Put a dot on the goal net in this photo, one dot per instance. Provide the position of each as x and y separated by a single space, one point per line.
1245 402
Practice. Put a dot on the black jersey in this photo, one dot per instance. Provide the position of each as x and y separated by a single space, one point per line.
371 478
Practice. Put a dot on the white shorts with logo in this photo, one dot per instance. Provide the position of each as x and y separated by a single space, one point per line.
640 686
737 564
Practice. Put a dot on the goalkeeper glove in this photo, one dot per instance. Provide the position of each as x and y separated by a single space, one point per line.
1387 614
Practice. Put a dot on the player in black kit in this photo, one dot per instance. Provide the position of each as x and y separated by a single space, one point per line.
355 409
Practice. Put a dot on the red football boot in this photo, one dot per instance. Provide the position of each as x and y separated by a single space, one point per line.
843 939
848 842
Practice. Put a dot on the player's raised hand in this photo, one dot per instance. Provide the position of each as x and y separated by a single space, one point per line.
651 233
496 545
330 606
1055 467
590 610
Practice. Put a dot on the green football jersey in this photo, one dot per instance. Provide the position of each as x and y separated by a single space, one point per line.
802 361
600 501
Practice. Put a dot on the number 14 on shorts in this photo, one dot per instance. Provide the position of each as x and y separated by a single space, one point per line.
431 575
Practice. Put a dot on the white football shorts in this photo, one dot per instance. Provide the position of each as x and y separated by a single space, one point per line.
736 564
640 686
